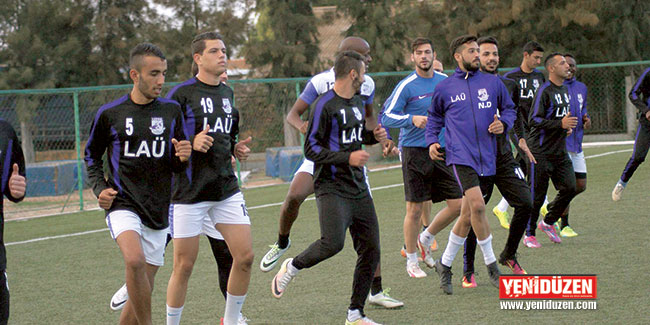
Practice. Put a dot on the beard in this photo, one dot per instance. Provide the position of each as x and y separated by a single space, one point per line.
356 84
469 67
425 67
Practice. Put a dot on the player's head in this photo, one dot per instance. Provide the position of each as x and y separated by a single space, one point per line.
223 77
573 67
209 53
437 66
533 53
489 54
556 65
148 67
465 51
422 53
349 66
358 45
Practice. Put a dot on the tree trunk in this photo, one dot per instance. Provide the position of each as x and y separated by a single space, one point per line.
27 142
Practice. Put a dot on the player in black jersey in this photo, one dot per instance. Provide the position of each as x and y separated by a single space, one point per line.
208 191
509 178
335 135
220 250
13 185
529 80
550 121
140 134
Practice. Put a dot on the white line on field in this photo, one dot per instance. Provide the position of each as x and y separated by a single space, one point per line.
55 237
263 205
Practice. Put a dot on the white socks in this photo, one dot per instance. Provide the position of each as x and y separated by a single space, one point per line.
292 270
411 258
426 238
486 247
503 205
353 315
174 315
233 308
454 244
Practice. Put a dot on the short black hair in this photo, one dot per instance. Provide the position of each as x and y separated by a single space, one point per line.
421 41
533 46
487 40
569 55
550 57
459 41
346 61
198 43
198 46
141 50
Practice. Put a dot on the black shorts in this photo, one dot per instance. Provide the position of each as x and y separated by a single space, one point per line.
426 179
467 177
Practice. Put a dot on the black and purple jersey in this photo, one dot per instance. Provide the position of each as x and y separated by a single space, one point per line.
640 93
529 84
209 176
10 154
141 156
337 128
547 137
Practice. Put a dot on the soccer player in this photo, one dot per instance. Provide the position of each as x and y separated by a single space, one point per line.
140 133
550 121
578 95
12 165
466 105
335 134
640 97
437 66
220 251
509 178
208 191
424 179
529 80
302 184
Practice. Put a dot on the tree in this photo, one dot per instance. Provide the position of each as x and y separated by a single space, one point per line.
48 46
285 39
386 25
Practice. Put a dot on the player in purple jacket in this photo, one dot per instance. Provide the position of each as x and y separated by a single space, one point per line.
466 104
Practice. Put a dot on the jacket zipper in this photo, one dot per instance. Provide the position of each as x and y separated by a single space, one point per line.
469 94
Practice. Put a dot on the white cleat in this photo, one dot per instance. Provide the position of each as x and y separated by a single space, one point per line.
425 253
383 299
119 298
272 257
414 270
617 193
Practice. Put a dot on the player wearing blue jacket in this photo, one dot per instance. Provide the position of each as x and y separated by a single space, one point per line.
424 179
466 104
578 95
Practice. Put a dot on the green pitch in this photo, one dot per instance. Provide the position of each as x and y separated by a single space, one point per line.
70 280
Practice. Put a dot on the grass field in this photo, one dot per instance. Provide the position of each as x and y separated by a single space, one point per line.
70 280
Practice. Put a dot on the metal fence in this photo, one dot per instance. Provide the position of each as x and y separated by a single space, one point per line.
53 124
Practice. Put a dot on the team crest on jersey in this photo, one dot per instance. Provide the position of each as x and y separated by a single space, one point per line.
365 89
157 127
226 105
535 83
580 100
357 114
483 95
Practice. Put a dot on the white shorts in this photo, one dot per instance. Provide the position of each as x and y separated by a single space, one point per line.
153 241
578 160
306 167
189 220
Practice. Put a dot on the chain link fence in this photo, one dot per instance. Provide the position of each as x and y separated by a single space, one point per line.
53 126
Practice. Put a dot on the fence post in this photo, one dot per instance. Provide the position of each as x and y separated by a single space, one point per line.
77 140
302 136
630 109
